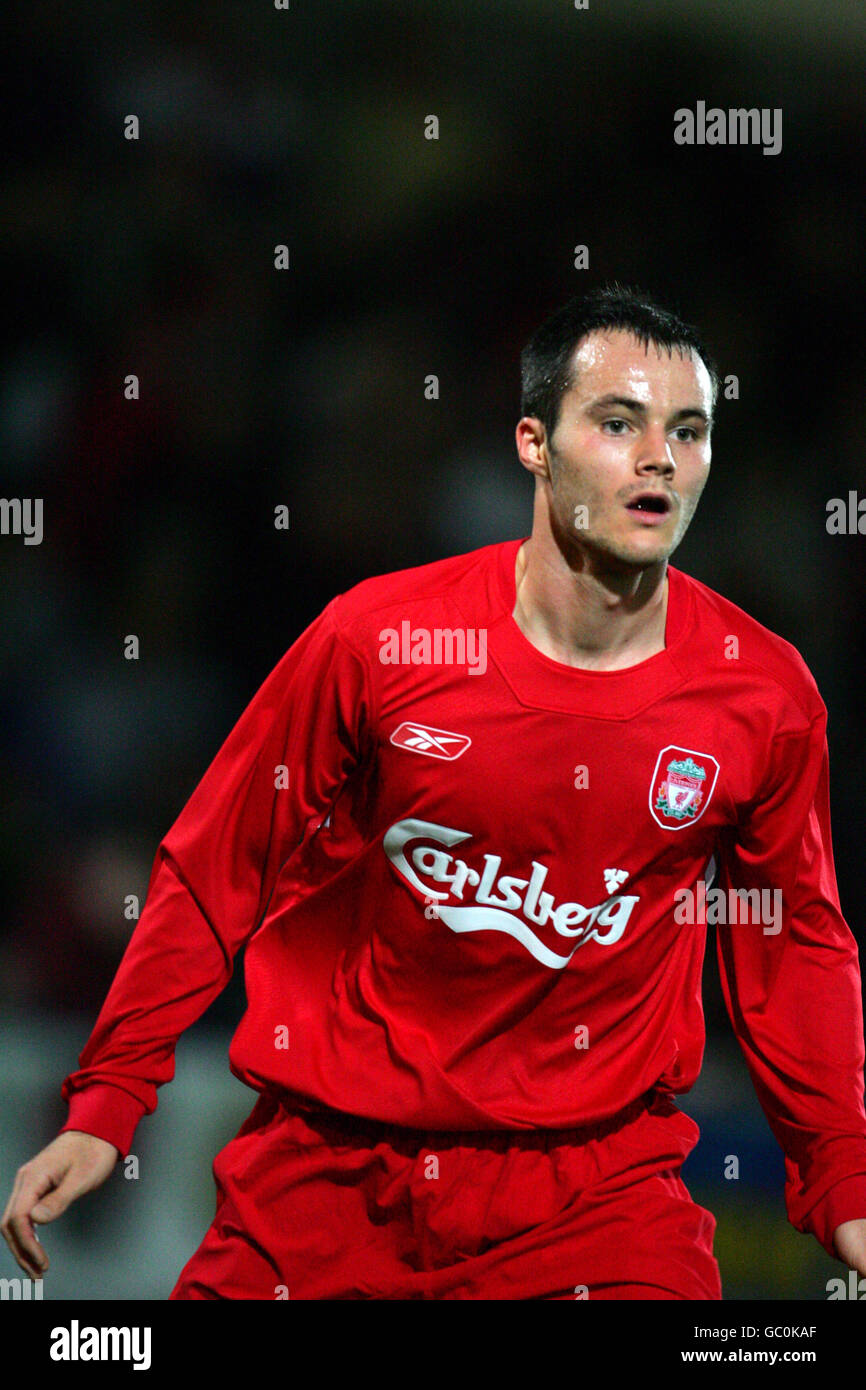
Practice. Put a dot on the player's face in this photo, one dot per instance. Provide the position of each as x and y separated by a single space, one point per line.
631 450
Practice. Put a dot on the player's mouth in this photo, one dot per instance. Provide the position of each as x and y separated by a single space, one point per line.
650 508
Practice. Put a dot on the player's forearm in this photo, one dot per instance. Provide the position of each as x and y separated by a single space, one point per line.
173 968
801 1031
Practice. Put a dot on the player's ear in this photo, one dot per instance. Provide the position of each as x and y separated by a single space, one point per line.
532 450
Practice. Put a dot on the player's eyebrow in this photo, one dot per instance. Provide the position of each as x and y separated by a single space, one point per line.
689 412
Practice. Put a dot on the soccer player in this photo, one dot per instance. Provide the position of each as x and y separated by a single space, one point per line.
457 827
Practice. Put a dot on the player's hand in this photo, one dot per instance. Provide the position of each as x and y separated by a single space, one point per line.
71 1165
850 1242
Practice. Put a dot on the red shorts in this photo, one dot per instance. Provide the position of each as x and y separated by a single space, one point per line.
316 1205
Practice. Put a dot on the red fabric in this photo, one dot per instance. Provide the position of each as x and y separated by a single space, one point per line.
320 1206
437 942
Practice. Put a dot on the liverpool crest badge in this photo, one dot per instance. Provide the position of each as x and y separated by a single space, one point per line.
681 787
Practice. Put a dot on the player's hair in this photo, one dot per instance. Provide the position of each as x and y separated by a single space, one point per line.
546 367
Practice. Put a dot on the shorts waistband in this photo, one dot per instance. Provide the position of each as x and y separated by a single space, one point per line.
341 1124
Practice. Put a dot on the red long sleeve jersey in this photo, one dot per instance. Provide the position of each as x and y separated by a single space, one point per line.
460 867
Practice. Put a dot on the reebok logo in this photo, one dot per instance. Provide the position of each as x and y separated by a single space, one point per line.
501 902
435 743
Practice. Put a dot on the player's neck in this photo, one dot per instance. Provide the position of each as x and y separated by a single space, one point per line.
579 616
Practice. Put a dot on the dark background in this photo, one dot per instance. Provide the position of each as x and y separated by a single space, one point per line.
305 387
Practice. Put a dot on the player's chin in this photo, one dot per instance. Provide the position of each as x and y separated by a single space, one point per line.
645 549
630 551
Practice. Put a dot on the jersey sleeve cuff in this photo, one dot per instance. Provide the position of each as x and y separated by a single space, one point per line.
846 1201
107 1112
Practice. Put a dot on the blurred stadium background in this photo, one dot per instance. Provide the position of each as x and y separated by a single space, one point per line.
306 387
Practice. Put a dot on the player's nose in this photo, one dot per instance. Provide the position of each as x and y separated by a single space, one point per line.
655 454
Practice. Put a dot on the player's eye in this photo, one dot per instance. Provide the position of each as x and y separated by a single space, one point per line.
686 433
615 421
